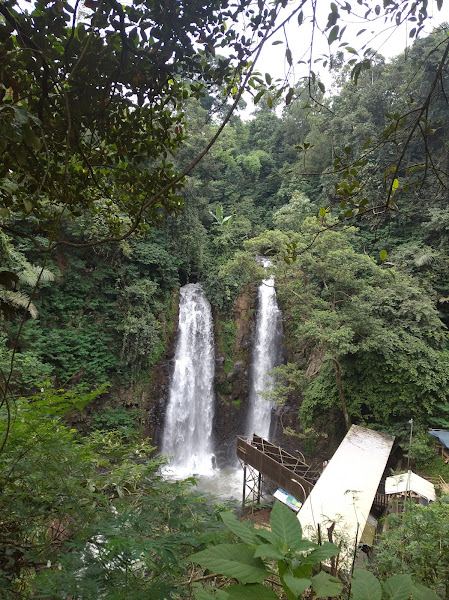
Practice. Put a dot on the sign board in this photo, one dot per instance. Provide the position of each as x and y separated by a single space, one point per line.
287 499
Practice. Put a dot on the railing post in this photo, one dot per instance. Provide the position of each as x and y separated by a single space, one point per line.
244 485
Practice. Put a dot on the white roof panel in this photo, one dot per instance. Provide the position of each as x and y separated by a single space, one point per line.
345 491
410 482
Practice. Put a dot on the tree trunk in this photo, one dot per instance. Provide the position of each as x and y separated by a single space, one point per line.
337 369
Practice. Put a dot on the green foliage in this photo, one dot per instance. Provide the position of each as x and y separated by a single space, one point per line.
118 419
223 388
268 243
310 438
372 328
108 315
416 542
421 450
281 556
251 562
227 332
219 218
365 586
291 217
141 330
103 149
29 372
289 381
224 284
21 274
91 517
434 467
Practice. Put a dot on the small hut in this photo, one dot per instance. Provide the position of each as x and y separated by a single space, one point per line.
441 443
410 485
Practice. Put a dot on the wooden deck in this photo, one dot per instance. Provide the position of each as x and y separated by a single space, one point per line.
288 472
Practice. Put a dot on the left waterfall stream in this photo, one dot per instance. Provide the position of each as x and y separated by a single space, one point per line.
190 411
187 438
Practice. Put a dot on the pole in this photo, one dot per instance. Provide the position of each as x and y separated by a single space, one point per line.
244 485
410 444
407 489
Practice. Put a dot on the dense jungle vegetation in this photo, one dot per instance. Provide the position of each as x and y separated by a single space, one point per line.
103 217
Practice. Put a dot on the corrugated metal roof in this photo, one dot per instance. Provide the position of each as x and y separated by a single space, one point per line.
442 435
410 482
345 491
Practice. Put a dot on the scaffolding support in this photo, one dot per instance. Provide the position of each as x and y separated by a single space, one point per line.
253 483
261 459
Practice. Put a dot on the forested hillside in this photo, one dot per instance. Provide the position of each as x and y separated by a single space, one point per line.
345 189
107 314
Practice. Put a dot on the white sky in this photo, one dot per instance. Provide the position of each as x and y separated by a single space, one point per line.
385 38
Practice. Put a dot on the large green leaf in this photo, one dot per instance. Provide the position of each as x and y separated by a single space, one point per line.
302 571
205 594
233 560
325 585
333 34
269 551
398 587
305 546
297 586
286 526
327 550
365 586
239 528
421 592
254 591
283 570
267 535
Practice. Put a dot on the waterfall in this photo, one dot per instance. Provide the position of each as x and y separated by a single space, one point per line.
188 421
266 355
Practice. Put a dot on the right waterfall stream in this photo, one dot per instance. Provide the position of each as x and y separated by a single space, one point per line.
267 354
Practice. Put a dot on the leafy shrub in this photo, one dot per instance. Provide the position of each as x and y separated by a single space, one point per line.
91 517
115 418
280 563
416 541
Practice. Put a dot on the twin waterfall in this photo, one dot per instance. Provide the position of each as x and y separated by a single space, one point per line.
190 411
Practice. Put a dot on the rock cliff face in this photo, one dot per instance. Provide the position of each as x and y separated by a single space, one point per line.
233 346
153 402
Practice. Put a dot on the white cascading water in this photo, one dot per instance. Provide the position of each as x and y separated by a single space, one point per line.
266 355
188 421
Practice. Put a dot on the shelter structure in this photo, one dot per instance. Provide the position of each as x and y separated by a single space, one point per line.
410 485
344 494
263 460
441 442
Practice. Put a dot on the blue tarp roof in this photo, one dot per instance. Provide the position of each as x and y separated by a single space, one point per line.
442 435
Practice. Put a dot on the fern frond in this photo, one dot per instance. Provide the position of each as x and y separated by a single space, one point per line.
19 300
31 273
426 258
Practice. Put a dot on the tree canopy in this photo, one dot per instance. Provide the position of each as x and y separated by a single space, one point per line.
92 109
92 106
